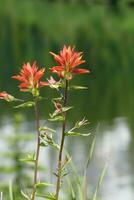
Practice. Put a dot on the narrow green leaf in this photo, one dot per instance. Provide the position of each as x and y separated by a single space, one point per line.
54 145
1 195
43 143
27 160
57 99
57 118
40 184
25 195
77 87
26 104
91 151
90 154
45 128
77 134
72 190
81 123
47 196
103 174
64 109
66 162
49 142
99 182
11 191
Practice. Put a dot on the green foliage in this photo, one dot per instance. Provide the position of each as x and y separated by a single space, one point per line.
45 129
56 118
26 196
46 140
76 87
43 184
77 134
107 37
29 158
49 196
11 196
25 105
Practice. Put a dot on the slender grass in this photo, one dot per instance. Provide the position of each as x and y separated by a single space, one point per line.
11 196
100 182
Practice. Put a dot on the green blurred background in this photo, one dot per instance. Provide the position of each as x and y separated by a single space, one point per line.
102 29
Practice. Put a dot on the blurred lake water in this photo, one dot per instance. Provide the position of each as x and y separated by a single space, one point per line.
113 146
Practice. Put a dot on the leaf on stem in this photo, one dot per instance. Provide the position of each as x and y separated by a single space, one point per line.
40 184
77 87
81 123
56 115
45 128
64 109
30 158
77 134
49 196
26 104
25 195
47 141
57 118
66 162
57 99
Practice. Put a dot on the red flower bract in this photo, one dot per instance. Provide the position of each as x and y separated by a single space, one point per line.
30 77
4 95
68 59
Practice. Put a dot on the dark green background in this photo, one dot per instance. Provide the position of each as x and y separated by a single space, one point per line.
30 29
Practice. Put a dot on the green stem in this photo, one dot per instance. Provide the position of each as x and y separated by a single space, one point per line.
37 149
58 183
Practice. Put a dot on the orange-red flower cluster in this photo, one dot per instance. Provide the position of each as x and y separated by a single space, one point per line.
30 77
68 59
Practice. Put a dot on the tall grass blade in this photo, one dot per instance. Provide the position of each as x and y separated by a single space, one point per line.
90 155
11 191
99 182
1 196
78 181
73 196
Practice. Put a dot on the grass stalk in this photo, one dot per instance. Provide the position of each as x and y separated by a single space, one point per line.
37 149
58 183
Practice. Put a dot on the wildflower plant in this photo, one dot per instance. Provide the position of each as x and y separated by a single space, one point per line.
68 60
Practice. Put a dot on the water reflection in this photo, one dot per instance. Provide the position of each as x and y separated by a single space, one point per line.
112 146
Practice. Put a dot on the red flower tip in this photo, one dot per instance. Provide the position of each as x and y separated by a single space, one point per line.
67 60
80 71
7 97
30 77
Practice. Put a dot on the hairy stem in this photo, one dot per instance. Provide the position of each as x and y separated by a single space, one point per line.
58 183
37 149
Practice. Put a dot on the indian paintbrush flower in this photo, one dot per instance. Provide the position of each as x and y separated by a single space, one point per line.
7 97
30 78
68 59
